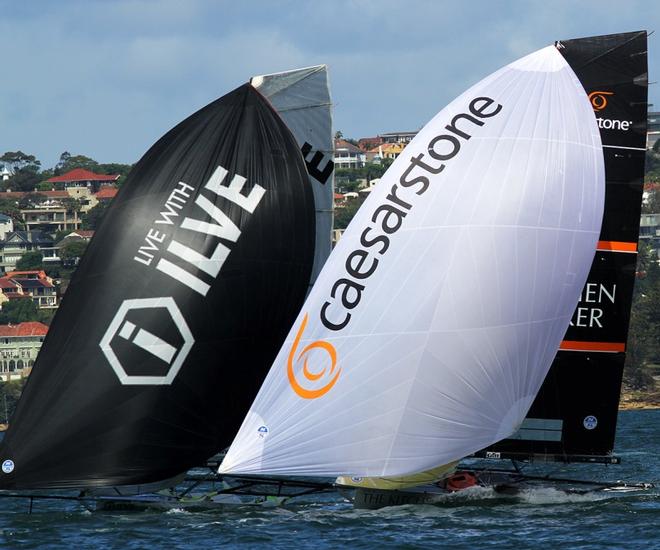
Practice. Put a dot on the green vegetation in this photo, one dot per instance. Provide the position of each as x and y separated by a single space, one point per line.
9 394
345 214
643 350
72 249
10 208
18 311
28 175
70 162
643 355
653 164
25 169
92 219
30 261
349 179
21 311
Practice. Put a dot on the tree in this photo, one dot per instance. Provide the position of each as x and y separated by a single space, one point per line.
19 311
30 200
59 167
653 164
92 218
26 179
24 168
69 162
10 208
344 215
643 341
18 160
72 249
652 205
115 168
30 261
9 395
71 204
45 316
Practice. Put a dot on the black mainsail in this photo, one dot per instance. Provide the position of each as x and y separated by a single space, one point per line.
177 309
574 415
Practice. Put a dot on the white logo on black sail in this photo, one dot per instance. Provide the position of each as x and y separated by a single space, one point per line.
590 422
147 341
8 466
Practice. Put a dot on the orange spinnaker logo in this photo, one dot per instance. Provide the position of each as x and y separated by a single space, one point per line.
599 99
311 376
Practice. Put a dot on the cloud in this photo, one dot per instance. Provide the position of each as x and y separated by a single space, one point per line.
106 79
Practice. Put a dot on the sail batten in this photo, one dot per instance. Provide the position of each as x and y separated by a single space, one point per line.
457 276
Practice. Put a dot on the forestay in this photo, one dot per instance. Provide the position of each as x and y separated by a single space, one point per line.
432 326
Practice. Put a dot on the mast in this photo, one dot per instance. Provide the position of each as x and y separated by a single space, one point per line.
177 309
574 415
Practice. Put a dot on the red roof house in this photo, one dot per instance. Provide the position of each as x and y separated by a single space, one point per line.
30 328
33 274
80 175
7 286
106 192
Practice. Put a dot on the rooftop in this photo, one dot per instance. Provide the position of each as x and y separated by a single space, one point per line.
79 174
343 144
33 274
107 192
30 328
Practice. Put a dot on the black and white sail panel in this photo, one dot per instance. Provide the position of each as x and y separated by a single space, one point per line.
176 311
574 416
302 98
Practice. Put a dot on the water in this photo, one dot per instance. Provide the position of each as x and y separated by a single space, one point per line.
478 519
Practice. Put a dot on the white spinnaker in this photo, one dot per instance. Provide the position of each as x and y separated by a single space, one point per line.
461 318
302 98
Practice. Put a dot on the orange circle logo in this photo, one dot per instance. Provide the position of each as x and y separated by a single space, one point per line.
310 376
599 99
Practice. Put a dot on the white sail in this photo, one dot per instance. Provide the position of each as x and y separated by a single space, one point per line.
302 97
434 322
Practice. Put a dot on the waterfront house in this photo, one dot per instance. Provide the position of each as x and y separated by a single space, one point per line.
385 151
35 284
81 178
6 226
348 155
17 243
19 346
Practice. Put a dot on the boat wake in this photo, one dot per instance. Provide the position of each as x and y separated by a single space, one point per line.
551 495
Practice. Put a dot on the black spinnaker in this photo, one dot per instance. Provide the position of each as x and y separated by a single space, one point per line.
574 415
177 309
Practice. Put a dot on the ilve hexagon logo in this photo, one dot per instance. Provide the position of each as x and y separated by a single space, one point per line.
125 340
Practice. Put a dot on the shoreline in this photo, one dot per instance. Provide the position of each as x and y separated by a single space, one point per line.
639 400
638 406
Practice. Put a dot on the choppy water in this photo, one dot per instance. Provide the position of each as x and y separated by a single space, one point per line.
481 519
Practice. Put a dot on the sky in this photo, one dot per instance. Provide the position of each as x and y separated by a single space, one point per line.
107 78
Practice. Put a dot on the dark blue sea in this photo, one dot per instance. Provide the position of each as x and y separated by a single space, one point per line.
538 518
